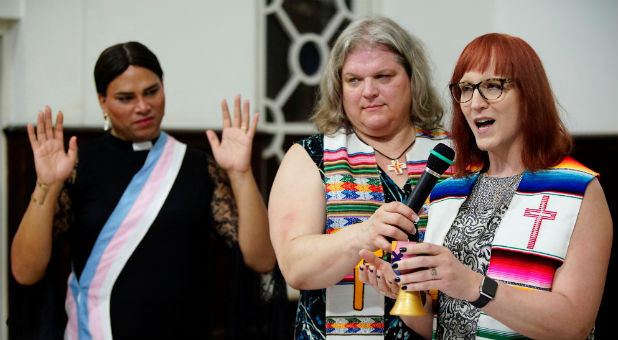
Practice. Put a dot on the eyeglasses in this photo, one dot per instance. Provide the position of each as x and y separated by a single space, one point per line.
490 89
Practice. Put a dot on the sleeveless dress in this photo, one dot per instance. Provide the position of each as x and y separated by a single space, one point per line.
310 322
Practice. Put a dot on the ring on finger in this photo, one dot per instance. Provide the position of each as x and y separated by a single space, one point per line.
434 272
244 127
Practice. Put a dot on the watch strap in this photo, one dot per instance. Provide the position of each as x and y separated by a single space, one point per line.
488 292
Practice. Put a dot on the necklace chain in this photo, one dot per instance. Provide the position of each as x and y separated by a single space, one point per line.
391 158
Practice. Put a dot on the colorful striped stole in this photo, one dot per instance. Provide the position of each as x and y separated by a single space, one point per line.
88 299
353 193
534 234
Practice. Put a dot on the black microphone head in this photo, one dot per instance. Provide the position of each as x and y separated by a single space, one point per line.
440 158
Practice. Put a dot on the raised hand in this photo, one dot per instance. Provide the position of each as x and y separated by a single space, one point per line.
53 164
233 152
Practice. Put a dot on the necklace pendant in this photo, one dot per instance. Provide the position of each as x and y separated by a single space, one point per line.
397 166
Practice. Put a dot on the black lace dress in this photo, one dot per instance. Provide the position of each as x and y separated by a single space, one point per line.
163 290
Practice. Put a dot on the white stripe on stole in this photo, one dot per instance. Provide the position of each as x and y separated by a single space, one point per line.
340 297
440 221
120 236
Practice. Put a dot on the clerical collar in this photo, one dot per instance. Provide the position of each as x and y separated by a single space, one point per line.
142 146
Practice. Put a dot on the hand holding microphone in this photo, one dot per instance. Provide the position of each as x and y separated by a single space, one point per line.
440 158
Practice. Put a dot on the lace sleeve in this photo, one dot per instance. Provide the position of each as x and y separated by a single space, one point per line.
62 214
314 145
223 205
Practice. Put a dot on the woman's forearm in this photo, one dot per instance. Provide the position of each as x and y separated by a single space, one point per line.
253 232
32 245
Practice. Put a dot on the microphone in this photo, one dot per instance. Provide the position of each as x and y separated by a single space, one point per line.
440 158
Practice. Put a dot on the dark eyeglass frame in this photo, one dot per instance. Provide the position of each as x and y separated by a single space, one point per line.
477 87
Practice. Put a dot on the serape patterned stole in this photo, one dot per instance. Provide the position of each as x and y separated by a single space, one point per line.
533 237
88 299
353 193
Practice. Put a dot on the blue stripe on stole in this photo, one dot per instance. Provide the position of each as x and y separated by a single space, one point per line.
359 153
563 180
417 162
337 223
334 150
567 181
121 210
453 187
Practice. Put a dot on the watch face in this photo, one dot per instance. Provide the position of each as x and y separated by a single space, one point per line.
489 287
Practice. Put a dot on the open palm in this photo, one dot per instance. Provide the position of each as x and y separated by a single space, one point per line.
233 152
52 162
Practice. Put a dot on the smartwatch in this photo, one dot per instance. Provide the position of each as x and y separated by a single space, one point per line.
488 291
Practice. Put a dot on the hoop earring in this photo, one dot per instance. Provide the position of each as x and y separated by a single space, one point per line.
106 122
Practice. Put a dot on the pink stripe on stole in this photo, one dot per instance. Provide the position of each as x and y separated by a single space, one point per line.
126 229
362 159
334 155
416 167
359 158
522 268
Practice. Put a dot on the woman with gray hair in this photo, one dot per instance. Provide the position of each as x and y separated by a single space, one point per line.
341 191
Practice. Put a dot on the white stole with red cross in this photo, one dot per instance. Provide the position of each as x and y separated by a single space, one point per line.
533 237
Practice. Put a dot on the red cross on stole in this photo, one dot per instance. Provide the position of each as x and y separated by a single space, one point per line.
539 215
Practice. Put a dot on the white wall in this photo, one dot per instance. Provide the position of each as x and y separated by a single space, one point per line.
206 48
578 43
11 9
576 40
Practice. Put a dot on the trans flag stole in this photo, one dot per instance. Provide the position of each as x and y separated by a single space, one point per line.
88 299
533 237
353 192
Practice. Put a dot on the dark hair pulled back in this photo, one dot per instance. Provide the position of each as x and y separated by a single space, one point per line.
115 59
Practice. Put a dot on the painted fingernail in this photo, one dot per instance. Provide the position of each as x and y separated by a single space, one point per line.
397 279
361 268
403 249
378 276
390 282
371 270
404 287
397 272
395 265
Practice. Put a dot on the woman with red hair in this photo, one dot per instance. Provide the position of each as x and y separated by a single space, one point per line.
518 243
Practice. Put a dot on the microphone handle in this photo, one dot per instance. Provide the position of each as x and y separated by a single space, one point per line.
421 191
418 197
